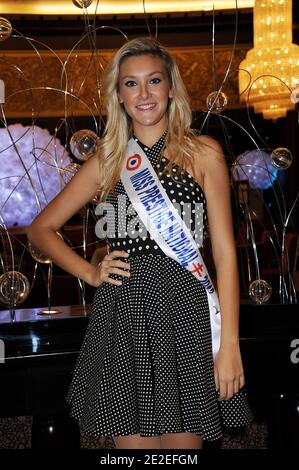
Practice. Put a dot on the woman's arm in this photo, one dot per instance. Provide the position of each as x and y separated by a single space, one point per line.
41 233
228 364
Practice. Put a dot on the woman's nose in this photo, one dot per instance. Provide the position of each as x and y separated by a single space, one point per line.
144 91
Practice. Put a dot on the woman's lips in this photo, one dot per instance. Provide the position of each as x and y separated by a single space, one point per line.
146 107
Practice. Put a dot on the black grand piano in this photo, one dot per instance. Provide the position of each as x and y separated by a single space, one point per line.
40 353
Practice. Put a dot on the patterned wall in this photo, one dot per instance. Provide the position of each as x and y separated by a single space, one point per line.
35 81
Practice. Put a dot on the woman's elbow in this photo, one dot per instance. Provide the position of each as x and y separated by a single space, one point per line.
34 230
31 232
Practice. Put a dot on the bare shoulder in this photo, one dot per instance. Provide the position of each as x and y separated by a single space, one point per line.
92 168
94 160
207 146
208 158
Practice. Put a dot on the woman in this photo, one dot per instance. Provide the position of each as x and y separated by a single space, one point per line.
145 374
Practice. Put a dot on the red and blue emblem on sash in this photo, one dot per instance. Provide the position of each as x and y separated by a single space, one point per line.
134 162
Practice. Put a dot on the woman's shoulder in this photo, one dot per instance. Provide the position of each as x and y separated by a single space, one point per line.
207 146
208 157
92 168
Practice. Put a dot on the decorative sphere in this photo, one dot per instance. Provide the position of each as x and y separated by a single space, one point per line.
69 171
37 255
254 166
260 291
216 105
14 288
82 3
281 158
83 144
30 168
5 29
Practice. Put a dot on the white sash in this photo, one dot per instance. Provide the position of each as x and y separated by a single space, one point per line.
165 225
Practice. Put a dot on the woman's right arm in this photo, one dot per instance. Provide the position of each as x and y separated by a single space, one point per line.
42 232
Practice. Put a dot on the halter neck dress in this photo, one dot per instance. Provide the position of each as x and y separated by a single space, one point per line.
145 365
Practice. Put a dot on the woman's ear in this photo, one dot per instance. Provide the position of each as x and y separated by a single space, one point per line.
120 100
170 94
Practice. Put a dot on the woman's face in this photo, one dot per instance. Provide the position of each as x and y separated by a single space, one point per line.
144 90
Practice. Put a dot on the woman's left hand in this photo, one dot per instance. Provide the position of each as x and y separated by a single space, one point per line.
229 374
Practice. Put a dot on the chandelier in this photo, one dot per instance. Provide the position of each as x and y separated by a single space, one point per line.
273 63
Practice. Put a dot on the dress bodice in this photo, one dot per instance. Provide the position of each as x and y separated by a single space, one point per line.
127 232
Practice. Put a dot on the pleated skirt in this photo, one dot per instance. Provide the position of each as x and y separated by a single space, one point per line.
145 365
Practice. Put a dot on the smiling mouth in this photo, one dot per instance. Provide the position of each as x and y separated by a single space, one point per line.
146 107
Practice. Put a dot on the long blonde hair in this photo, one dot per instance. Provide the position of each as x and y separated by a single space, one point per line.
118 130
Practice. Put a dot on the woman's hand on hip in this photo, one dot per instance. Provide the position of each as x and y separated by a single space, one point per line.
110 265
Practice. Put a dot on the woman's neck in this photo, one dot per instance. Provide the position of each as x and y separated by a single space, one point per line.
149 135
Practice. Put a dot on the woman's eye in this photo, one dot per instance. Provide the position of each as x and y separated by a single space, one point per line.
130 83
156 80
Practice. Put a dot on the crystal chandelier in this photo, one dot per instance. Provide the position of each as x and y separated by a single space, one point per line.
273 63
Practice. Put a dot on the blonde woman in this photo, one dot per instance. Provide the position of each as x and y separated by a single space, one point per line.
145 373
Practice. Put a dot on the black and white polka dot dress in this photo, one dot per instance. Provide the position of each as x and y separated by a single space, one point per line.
146 366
